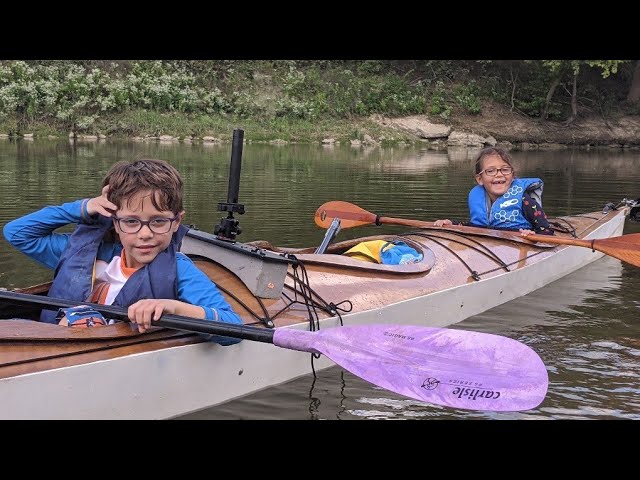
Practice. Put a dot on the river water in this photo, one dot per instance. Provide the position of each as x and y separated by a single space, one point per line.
584 326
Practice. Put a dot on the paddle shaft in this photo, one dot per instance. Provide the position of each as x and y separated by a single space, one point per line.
176 322
532 236
421 224
625 247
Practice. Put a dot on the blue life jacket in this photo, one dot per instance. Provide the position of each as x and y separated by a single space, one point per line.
73 276
506 211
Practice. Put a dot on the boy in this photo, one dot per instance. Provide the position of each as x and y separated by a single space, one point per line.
142 202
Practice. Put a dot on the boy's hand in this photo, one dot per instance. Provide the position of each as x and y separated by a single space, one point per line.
101 204
143 311
524 232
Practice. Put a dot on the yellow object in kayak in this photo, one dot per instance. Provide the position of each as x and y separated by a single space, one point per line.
382 251
368 251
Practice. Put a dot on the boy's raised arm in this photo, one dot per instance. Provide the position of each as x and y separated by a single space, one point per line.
33 234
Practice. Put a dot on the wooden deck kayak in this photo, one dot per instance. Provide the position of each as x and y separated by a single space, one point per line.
114 372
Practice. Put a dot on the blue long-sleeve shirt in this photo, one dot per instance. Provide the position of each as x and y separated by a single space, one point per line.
34 234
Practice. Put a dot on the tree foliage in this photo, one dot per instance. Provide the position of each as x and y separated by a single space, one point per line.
74 94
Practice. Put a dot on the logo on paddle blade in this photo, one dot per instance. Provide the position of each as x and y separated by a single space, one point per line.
398 335
471 393
430 383
323 215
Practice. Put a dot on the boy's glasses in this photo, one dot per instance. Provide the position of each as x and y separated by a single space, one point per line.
492 171
134 225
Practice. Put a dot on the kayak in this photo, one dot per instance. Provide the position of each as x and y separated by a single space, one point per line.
113 372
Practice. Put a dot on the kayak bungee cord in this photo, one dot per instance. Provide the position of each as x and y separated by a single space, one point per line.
302 287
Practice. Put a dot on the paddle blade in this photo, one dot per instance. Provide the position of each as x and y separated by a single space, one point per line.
349 214
454 368
625 248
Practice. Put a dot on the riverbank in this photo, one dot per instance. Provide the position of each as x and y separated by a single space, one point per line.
495 124
498 125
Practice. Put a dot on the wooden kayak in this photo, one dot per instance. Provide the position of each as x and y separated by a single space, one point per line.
114 372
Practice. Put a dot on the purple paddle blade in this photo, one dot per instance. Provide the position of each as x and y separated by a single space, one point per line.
455 368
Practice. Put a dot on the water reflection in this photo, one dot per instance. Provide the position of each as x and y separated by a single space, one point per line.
584 326
319 390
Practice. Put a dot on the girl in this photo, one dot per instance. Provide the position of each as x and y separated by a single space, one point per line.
502 201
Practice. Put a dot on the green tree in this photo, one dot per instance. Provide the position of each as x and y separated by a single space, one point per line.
563 69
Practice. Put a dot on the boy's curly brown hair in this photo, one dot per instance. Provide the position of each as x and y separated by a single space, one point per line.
125 179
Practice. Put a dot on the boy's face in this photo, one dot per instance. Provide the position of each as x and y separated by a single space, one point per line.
144 245
497 185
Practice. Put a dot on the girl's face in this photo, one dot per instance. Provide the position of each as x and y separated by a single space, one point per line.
144 245
497 185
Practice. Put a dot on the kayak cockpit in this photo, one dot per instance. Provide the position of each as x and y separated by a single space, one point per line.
335 255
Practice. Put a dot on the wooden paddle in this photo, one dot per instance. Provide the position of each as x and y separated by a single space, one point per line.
454 368
624 247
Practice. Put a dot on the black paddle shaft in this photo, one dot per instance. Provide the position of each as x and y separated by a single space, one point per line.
175 322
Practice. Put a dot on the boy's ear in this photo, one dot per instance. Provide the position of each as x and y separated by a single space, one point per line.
180 217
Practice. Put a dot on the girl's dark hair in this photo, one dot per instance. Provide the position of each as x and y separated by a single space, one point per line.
125 179
489 152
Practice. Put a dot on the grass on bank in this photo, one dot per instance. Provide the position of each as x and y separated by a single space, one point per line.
145 123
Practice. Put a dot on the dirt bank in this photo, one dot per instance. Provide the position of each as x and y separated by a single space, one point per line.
499 124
